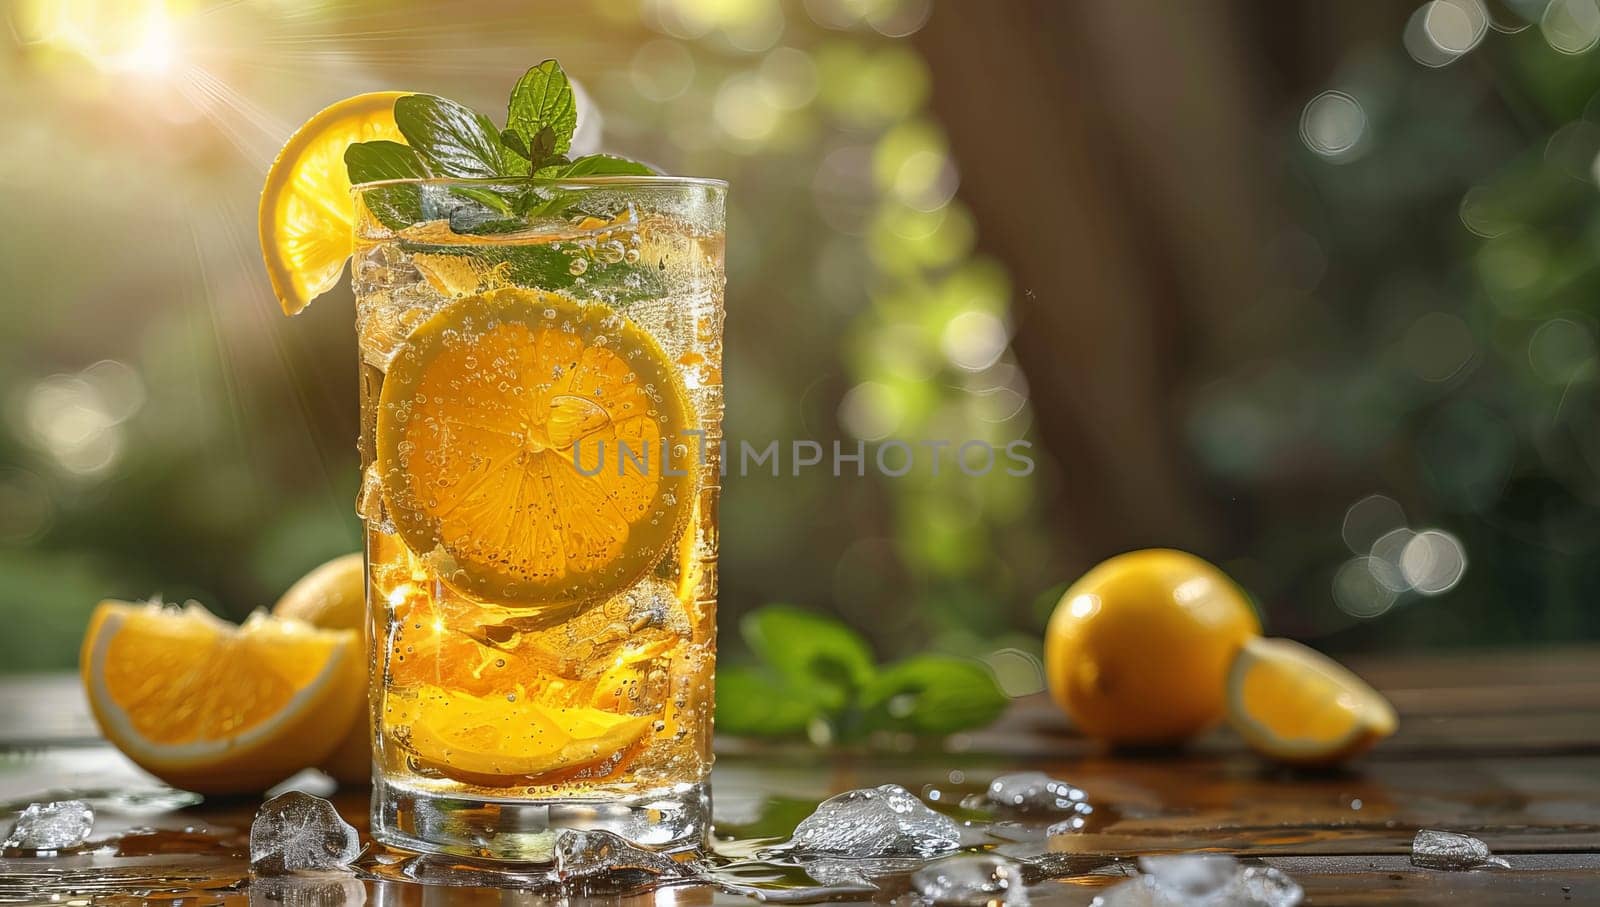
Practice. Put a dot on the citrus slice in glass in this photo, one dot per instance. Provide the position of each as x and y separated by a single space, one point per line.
307 216
1296 705
212 707
496 737
520 440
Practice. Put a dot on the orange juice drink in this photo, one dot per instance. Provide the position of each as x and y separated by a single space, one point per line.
541 400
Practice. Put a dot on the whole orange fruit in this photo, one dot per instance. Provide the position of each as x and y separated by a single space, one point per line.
1138 649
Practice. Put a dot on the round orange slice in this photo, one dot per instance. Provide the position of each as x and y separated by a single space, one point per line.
532 449
493 737
1294 704
307 217
212 707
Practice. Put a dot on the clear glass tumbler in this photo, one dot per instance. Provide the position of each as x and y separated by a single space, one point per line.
541 404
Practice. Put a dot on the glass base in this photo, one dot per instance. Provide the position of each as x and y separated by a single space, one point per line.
524 831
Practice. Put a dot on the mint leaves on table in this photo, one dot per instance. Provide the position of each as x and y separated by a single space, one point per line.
447 139
817 678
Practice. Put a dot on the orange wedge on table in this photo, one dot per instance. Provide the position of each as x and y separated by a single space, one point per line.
492 425
212 707
307 216
1296 705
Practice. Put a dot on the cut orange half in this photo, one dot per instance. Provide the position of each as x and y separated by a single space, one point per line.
495 737
307 217
209 706
521 440
1294 704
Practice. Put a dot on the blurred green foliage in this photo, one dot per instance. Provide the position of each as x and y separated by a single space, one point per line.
164 431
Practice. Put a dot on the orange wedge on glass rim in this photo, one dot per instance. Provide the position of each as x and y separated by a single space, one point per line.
307 215
1293 704
212 707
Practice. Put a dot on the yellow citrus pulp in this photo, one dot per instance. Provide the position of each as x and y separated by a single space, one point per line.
499 736
1296 705
1138 649
212 707
307 216
489 419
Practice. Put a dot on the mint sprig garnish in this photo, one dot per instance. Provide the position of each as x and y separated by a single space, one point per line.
454 139
447 139
543 113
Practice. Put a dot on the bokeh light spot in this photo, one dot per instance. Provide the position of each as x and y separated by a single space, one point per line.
1433 562
1560 350
1369 519
1571 26
974 340
1357 590
661 70
1438 346
870 411
1333 124
1018 673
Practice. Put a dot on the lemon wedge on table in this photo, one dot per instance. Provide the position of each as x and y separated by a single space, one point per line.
307 216
1294 704
212 707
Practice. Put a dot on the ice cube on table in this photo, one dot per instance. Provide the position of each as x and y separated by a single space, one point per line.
584 854
339 888
971 880
1265 886
1435 849
296 832
58 825
1202 880
1035 792
882 821
1190 876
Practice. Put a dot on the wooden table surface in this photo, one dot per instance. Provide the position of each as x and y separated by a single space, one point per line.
1504 746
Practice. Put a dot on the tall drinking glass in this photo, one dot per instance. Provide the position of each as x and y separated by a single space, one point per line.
541 407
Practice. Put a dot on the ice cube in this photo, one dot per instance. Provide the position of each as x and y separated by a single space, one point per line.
317 889
583 854
1191 880
296 832
880 821
1190 877
974 879
855 872
1035 792
1264 886
1434 849
52 826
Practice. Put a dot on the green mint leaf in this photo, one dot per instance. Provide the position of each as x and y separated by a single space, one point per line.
543 99
604 165
811 652
369 162
932 695
541 265
396 207
454 139
514 141
752 704
542 152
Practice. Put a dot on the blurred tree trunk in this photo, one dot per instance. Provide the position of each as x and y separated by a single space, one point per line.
1116 156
